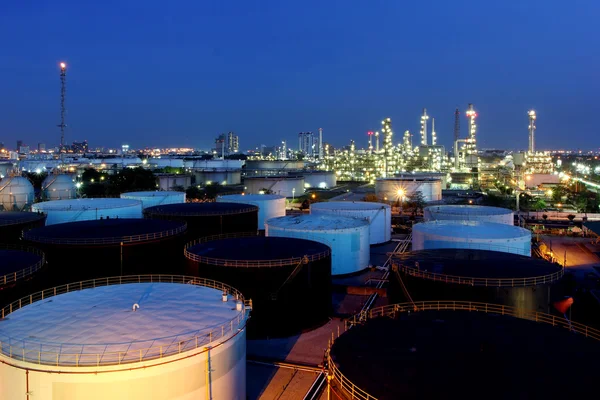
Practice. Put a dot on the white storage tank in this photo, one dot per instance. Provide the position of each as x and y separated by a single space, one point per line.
214 164
476 235
347 237
59 187
272 167
269 205
469 213
319 179
399 189
60 211
156 198
284 185
129 337
219 176
16 193
379 216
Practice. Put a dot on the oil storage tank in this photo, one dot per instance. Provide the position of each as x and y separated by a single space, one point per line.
476 275
348 238
207 219
138 337
16 193
471 235
279 274
400 188
460 350
19 265
59 187
156 198
469 213
379 216
319 179
269 205
99 248
61 211
284 185
13 223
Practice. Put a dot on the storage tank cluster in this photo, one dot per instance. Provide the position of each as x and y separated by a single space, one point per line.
400 188
459 350
475 275
59 187
206 219
469 213
284 185
138 337
155 198
16 193
378 215
348 238
479 235
61 211
269 205
288 279
109 247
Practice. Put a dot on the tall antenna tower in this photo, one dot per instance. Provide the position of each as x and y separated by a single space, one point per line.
456 125
63 90
424 118
471 146
532 118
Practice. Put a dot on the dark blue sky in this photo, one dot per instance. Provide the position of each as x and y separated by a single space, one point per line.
177 73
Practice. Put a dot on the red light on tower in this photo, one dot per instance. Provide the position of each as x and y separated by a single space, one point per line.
370 133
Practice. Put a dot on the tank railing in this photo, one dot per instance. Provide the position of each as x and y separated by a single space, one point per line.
42 208
246 263
198 213
393 310
89 355
109 240
473 281
41 215
25 272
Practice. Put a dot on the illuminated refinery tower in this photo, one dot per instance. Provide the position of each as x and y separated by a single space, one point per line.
532 118
320 143
370 134
388 148
471 142
424 119
433 134
63 91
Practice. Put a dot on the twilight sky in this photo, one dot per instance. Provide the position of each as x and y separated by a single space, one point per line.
177 73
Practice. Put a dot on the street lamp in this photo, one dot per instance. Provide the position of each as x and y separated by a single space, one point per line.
401 194
293 194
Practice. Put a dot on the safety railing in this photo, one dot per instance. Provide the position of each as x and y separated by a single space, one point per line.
86 355
108 240
246 263
80 204
394 310
473 281
25 272
29 219
522 251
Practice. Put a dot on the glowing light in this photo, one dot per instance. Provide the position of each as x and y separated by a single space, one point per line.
401 192
63 65
313 195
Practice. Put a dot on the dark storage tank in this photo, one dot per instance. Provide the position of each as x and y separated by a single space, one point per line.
288 279
109 247
20 267
13 223
207 219
461 350
475 275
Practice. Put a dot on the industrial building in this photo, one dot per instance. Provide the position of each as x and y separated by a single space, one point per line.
378 215
476 235
348 238
279 274
61 211
138 337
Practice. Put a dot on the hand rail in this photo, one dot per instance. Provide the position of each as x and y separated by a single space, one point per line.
393 310
474 281
25 272
86 355
246 263
8 222
109 240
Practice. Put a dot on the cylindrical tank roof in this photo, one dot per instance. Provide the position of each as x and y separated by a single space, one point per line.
201 209
324 223
468 212
85 204
106 231
269 205
255 251
8 218
349 205
121 320
471 229
151 193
